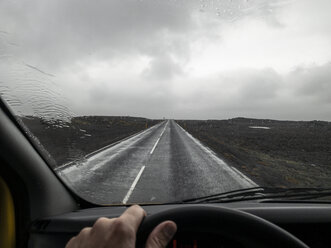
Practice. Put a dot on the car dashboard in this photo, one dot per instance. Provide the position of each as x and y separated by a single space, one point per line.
310 222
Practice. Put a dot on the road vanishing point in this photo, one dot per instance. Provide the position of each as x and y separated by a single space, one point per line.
161 164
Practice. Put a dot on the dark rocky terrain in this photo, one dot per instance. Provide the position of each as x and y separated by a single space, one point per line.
289 154
68 141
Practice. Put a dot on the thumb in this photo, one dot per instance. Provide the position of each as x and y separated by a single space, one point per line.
161 235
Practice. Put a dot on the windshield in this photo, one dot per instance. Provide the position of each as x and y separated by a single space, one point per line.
150 101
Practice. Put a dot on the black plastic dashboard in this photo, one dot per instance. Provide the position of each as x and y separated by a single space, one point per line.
309 222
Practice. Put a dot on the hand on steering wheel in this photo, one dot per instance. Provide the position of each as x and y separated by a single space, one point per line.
247 229
121 232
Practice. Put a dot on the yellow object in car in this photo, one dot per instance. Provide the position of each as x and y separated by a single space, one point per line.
7 217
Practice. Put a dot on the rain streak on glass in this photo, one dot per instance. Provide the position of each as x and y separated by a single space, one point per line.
34 96
231 10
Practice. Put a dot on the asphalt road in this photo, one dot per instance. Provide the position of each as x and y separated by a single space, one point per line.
161 164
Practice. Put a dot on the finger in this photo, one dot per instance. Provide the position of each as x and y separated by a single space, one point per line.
72 243
133 216
101 230
101 225
83 237
161 235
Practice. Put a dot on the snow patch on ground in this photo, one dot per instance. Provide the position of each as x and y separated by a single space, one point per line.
259 127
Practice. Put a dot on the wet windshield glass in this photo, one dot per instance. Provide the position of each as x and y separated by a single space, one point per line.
150 101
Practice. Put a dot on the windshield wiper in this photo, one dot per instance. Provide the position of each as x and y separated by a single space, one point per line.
256 193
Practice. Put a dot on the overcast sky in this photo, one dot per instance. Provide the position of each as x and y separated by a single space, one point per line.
211 59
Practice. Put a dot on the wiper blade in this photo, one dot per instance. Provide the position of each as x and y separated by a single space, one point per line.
303 193
256 193
229 194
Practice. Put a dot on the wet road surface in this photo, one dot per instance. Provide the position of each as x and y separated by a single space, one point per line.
161 164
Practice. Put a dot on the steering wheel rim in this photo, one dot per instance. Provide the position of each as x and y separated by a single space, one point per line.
234 224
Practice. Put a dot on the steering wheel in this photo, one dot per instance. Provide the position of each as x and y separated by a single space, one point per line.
247 229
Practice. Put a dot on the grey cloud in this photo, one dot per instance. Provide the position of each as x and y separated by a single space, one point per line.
262 94
125 102
254 93
259 85
61 38
313 83
53 34
162 68
70 30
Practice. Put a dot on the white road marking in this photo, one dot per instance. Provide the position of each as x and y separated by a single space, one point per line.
239 176
126 198
155 145
159 138
244 176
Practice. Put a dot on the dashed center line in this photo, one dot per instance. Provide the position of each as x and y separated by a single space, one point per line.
126 198
158 139
155 145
